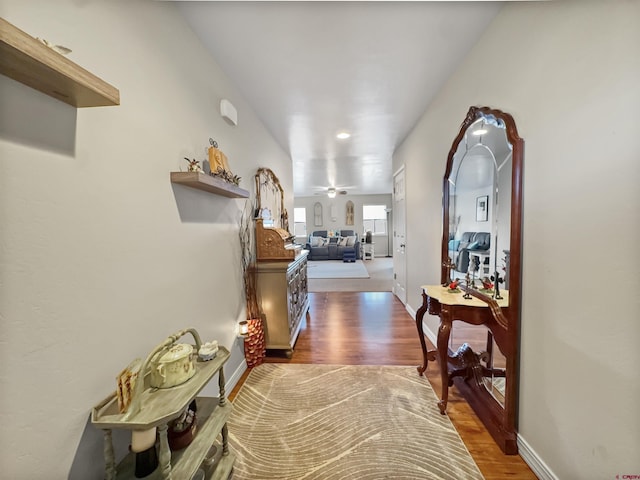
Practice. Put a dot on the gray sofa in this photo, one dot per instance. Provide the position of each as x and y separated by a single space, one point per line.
470 241
330 249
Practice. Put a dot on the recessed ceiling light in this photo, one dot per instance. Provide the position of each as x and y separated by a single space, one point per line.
343 135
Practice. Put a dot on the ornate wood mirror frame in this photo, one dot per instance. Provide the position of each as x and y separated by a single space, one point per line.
270 200
482 203
501 420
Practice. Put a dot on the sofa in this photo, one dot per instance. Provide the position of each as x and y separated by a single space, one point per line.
323 247
479 242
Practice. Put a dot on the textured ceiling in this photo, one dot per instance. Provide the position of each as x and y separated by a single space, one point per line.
312 69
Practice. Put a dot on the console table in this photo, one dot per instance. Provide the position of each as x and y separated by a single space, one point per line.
449 306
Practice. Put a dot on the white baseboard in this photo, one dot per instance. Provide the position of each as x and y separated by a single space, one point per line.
410 310
531 458
233 380
432 336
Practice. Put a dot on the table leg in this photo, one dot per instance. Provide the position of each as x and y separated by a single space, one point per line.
109 456
164 456
444 331
426 355
225 440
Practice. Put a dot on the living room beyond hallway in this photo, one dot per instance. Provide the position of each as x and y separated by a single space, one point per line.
380 279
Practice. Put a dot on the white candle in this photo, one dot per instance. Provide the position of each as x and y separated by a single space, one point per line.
142 440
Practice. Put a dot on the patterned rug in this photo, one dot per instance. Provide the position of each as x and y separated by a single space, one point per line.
325 422
336 269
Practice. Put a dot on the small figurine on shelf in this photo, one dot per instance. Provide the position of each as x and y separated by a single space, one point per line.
473 266
208 351
194 165
219 165
449 265
453 286
487 286
467 279
497 279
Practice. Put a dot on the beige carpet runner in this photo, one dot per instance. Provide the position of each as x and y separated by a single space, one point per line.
324 422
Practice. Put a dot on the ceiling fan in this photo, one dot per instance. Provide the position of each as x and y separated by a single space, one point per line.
331 192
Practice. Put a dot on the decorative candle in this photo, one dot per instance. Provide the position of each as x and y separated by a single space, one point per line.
141 440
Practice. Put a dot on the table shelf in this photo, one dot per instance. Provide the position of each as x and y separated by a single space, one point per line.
184 463
160 404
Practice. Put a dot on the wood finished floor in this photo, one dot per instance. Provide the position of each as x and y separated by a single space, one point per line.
373 328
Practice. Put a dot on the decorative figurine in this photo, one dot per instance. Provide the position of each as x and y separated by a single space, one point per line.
487 285
208 350
449 265
467 279
194 165
473 265
62 50
219 165
453 286
497 281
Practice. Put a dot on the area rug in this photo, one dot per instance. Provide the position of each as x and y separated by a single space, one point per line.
327 422
336 269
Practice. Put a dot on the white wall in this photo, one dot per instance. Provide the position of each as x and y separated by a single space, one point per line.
568 72
340 206
101 257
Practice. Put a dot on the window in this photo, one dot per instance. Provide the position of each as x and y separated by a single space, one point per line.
300 222
375 219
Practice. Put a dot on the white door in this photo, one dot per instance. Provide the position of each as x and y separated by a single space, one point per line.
399 232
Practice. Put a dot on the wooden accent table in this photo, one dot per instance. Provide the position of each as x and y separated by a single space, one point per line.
438 300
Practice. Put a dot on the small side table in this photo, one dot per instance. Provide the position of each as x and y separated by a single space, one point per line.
483 268
367 251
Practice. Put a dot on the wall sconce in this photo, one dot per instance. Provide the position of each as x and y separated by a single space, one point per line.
243 328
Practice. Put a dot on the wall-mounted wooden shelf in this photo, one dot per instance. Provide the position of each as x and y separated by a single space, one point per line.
29 61
209 184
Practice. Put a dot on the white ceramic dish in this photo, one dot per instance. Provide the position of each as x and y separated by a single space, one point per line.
173 367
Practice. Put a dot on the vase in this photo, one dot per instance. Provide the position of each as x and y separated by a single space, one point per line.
254 344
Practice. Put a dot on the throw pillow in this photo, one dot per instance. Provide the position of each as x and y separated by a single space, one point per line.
454 244
315 241
351 240
342 241
472 246
323 242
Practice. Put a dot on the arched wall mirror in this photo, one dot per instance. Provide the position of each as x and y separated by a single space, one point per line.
478 300
481 247
270 200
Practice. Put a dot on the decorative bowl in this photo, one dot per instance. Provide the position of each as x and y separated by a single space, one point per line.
173 367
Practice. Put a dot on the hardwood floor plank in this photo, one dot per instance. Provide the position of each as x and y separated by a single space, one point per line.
373 328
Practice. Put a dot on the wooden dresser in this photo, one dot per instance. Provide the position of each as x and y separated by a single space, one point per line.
282 287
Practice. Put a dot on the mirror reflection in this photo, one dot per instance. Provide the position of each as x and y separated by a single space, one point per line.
492 361
479 227
480 205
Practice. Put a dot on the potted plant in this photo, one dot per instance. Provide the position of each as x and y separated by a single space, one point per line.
254 343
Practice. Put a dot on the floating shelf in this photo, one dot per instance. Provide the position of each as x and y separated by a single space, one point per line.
32 63
209 184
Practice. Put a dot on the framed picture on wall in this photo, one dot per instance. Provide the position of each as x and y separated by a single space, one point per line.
482 208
